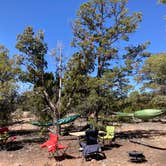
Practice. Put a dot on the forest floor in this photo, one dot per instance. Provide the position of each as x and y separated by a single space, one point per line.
147 137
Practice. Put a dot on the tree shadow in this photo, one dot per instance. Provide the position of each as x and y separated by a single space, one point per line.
150 146
64 156
139 134
31 140
11 146
19 144
14 147
96 156
29 136
23 132
16 122
110 146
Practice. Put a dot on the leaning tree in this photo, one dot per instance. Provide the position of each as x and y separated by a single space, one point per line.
45 85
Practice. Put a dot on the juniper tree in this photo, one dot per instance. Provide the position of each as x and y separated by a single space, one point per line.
34 49
98 29
9 74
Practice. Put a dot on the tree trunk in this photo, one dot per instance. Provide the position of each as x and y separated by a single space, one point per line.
54 109
96 116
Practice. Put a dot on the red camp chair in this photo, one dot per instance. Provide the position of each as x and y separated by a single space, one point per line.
3 129
5 137
52 144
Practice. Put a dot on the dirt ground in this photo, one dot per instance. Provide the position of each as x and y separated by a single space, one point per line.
149 138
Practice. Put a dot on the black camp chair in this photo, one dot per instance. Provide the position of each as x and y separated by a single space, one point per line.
91 146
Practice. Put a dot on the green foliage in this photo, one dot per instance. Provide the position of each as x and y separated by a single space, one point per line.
4 136
96 125
34 49
80 90
153 73
99 25
100 76
3 140
9 73
75 86
34 102
158 101
137 101
162 1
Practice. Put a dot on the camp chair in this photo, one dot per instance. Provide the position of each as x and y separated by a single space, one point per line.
52 144
110 135
91 147
3 129
5 137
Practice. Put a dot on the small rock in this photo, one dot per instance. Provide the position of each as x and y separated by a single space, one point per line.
11 155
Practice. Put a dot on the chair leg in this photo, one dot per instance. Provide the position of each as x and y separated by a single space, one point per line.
103 141
107 141
110 141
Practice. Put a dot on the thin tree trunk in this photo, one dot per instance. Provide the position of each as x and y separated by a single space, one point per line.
54 109
96 116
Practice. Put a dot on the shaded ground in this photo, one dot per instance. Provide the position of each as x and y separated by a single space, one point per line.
149 138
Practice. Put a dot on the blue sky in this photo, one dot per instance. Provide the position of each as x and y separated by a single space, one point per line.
55 16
